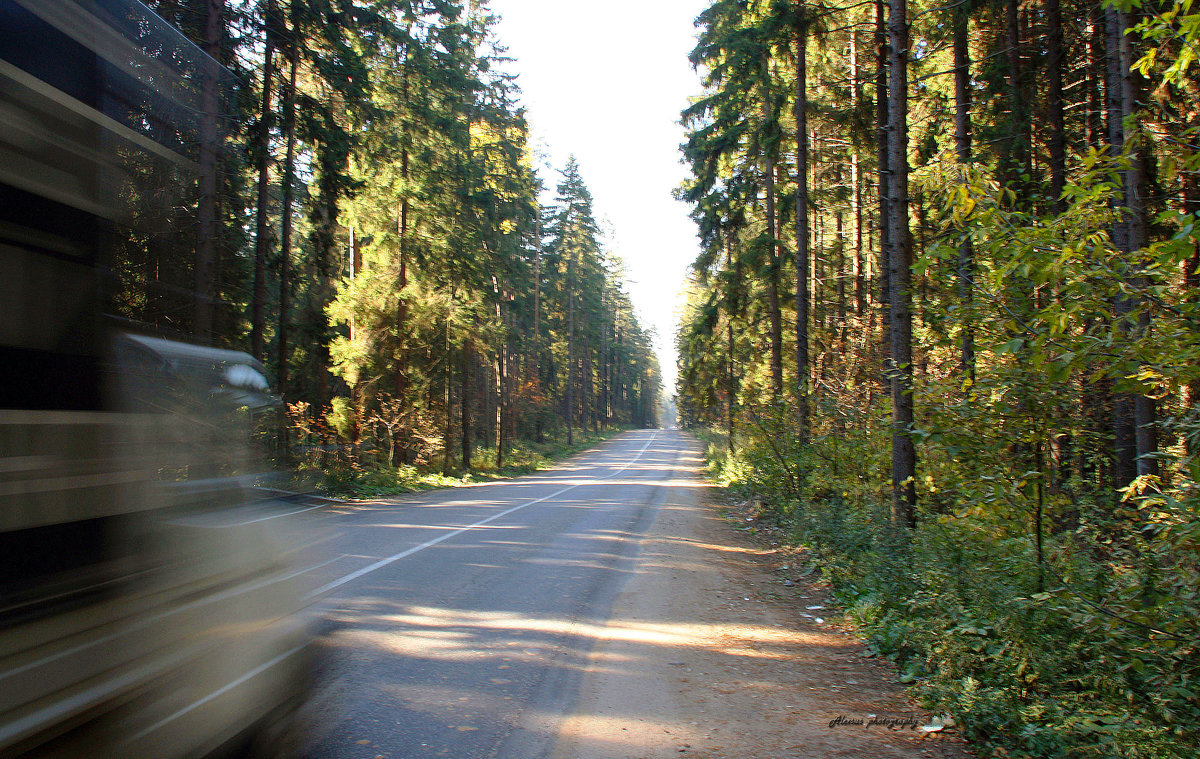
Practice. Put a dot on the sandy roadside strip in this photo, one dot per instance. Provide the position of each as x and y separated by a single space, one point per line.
707 655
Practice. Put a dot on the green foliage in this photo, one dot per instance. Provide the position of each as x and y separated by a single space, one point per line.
729 470
342 418
1101 663
374 483
1074 273
1089 652
1047 596
366 472
414 315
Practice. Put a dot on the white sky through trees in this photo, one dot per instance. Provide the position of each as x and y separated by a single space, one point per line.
606 81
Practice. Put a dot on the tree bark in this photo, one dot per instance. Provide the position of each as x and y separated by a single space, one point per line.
447 370
1191 281
204 317
1015 167
730 389
602 399
571 268
774 311
962 141
285 235
402 246
904 494
883 55
1125 467
262 238
861 268
537 299
354 264
1145 412
501 403
732 307
1054 103
802 215
585 386
1095 77
464 402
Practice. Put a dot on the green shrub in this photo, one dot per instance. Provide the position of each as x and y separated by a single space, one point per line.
1091 653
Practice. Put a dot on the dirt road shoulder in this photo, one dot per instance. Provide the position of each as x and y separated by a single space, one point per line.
709 653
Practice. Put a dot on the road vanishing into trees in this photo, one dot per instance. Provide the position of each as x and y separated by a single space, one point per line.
459 622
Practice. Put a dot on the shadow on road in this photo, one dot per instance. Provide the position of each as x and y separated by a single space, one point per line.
627 620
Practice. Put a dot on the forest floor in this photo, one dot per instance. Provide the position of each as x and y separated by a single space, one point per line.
726 646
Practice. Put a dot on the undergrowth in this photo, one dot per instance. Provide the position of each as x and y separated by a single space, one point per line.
349 473
1090 653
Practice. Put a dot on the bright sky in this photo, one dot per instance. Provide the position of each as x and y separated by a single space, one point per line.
606 81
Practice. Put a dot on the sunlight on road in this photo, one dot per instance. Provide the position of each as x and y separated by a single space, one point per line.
450 633
617 736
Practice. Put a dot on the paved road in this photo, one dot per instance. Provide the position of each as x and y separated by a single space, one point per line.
458 621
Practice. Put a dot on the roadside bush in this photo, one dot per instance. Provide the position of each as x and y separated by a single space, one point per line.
1091 652
357 460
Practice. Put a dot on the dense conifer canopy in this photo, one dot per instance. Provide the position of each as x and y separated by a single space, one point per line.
374 231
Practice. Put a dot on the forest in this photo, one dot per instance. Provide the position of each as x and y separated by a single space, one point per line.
368 218
945 324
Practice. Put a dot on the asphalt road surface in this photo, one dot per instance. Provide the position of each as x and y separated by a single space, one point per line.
459 621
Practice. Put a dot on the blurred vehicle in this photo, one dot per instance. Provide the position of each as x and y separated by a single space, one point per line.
152 598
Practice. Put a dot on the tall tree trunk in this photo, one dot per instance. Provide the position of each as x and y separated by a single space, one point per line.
447 370
1124 429
862 272
205 285
1095 77
262 238
962 141
1016 162
402 223
499 372
571 268
464 402
400 453
802 213
1054 102
734 265
537 299
861 268
539 433
501 402
1096 398
839 273
618 378
730 388
585 387
1191 281
1145 412
353 264
904 460
773 306
1060 445
883 57
285 235
602 400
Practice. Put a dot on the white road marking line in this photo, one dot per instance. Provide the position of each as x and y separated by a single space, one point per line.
277 516
430 543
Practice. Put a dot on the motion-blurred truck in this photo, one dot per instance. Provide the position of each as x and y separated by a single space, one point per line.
152 595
